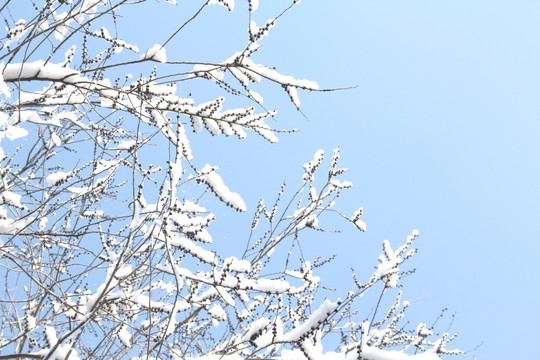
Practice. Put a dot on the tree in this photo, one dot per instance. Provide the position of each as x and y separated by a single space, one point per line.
104 246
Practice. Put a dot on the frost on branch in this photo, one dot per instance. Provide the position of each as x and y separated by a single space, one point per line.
388 269
253 5
229 4
214 181
106 210
156 53
356 219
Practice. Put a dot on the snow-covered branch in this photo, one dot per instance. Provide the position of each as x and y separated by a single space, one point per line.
106 210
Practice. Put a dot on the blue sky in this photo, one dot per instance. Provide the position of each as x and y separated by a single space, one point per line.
441 135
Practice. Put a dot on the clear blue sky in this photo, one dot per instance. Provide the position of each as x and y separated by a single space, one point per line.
441 135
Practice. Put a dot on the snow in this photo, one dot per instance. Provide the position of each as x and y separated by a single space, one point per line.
225 295
56 119
355 219
108 283
272 286
341 184
104 165
273 75
196 122
367 352
7 226
203 236
156 53
62 25
374 353
4 119
89 8
43 223
210 356
171 323
255 327
39 70
43 26
238 265
125 337
212 126
138 298
56 178
257 33
4 89
214 71
214 181
229 4
317 317
30 322
191 248
421 330
14 132
10 226
25 115
175 170
238 74
123 272
79 190
50 335
126 144
15 33
217 312
256 96
93 214
265 131
183 141
253 28
293 95
68 55
388 270
253 5
56 139
311 166
11 198
191 207
104 34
